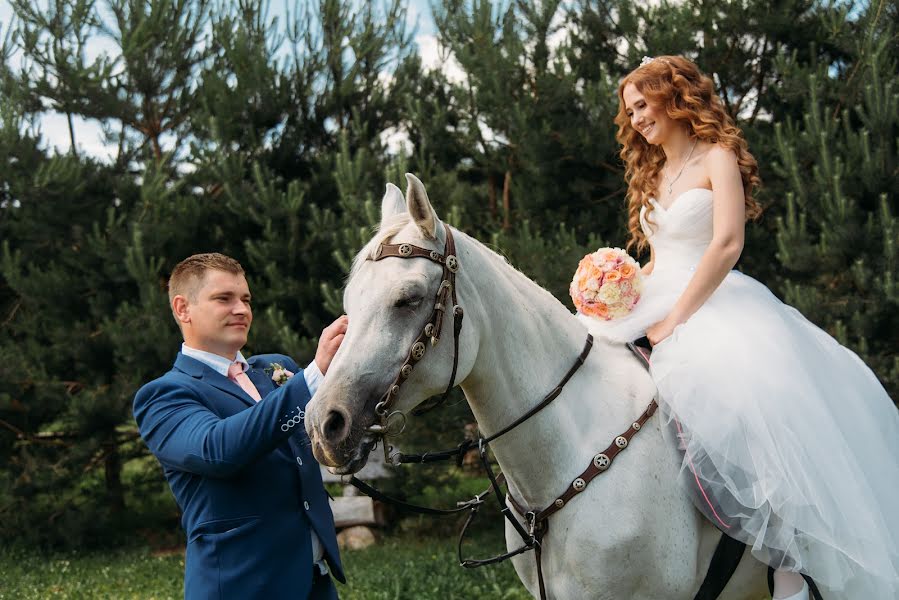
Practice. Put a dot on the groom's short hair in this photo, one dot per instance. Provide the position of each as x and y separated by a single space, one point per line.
188 275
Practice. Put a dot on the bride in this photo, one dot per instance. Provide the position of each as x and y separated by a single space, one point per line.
791 444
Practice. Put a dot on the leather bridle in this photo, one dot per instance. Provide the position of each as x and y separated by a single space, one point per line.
430 334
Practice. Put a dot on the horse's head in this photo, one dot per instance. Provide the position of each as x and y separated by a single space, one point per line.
390 299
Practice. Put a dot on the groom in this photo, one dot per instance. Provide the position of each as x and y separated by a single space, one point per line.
229 434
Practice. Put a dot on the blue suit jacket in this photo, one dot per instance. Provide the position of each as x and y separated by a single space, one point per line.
244 476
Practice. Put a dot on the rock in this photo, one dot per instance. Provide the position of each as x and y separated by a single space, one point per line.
356 538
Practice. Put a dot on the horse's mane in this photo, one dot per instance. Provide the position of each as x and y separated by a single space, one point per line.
516 275
396 223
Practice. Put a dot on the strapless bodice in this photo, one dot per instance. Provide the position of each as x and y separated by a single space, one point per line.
681 233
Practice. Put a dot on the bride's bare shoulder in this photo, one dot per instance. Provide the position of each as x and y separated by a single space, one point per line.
718 154
719 160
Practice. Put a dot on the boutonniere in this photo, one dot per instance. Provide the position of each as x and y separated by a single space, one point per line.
280 375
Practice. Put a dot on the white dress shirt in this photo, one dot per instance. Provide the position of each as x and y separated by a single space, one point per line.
313 376
311 373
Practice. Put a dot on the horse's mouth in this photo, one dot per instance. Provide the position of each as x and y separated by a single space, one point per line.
359 457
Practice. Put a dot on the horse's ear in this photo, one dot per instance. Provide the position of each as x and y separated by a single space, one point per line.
392 204
420 207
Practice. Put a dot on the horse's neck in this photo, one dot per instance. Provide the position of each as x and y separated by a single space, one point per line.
527 342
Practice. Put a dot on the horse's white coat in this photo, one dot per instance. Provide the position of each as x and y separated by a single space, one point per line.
633 533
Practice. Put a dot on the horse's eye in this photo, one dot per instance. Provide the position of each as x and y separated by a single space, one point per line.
408 302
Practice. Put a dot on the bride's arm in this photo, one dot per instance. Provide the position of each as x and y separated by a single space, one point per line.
728 233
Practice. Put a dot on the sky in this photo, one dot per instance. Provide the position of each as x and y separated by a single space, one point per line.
88 135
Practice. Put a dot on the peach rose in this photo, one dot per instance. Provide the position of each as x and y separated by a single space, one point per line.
610 256
596 310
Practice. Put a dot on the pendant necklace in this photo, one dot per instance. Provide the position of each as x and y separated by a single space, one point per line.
676 177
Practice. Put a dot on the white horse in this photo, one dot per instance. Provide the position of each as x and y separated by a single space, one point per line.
633 533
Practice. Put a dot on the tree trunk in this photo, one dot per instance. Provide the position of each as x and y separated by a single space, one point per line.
157 149
507 184
112 462
491 195
72 149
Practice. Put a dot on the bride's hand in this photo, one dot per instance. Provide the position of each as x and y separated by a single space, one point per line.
659 331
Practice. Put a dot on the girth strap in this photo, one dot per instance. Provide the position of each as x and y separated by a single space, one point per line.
724 562
538 556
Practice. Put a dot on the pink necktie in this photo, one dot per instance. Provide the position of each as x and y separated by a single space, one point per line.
236 374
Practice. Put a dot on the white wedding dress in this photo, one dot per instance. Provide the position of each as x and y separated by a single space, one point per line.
790 442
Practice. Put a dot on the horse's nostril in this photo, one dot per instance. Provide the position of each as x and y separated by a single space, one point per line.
335 427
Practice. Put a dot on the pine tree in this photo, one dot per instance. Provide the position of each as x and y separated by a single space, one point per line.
85 304
143 94
63 264
521 115
53 42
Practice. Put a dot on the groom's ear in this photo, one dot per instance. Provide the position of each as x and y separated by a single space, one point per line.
180 309
392 204
420 207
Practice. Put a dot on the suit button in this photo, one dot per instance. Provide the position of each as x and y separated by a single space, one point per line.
299 461
306 504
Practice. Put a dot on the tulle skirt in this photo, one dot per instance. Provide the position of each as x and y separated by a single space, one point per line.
790 442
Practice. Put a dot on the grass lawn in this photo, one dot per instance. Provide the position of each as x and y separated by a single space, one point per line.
397 568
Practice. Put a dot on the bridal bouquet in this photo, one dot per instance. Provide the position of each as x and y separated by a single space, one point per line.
607 284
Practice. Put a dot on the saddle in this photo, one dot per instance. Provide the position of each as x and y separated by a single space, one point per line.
729 551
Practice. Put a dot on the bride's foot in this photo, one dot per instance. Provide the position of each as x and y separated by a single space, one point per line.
789 585
800 595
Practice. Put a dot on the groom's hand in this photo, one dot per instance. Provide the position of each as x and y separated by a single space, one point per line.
329 342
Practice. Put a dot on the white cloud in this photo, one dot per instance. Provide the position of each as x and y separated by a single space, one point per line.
397 141
559 32
418 14
434 56
89 137
99 46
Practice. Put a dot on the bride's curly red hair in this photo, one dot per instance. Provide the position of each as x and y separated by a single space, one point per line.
689 97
